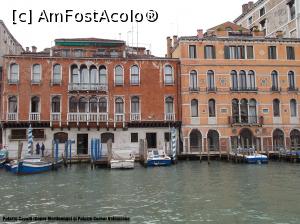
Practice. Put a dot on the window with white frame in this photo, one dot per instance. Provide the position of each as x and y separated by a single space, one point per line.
134 75
83 105
14 73
210 80
103 105
194 108
74 74
193 80
119 105
102 75
12 104
276 108
168 72
169 105
251 80
93 75
212 108
35 104
135 105
119 75
73 104
36 73
93 105
291 77
293 107
234 80
56 74
55 104
274 76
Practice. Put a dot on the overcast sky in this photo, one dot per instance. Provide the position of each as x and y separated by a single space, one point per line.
180 18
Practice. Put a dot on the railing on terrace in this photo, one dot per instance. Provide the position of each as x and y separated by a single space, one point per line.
170 117
34 116
12 117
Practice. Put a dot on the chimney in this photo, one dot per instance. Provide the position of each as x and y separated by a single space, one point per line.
250 5
33 49
175 40
169 47
244 8
27 49
200 33
148 52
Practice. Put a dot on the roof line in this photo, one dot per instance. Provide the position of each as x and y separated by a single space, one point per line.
7 30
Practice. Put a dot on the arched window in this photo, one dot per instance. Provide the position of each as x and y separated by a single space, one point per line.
119 105
274 76
36 73
235 111
210 80
134 75
234 80
291 77
56 74
55 104
119 79
276 108
72 105
169 105
293 107
102 75
102 105
93 105
195 141
278 140
74 74
193 80
243 80
84 76
93 76
244 111
252 111
251 79
212 108
83 105
35 104
135 105
14 73
12 104
295 139
194 108
168 72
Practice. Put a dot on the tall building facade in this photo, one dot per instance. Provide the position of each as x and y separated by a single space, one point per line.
273 17
238 89
90 88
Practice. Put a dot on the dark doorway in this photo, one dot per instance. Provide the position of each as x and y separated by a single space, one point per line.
246 139
195 141
82 143
151 140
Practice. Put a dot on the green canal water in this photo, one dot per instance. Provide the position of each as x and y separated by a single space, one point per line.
190 192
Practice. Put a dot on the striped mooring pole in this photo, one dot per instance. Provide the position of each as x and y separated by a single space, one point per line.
173 143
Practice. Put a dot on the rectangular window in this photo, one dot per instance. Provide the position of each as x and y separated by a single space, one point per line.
272 52
232 51
209 52
18 134
134 137
38 133
250 54
290 53
240 52
65 53
262 11
226 52
192 51
167 136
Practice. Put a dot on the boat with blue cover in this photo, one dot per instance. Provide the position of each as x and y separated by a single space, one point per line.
158 159
256 159
3 157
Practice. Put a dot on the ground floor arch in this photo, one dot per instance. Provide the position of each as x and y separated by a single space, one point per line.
213 140
195 141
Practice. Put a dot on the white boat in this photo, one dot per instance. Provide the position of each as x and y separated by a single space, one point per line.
122 159
156 158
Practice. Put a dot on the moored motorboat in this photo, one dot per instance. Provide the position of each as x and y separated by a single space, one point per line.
158 159
31 165
122 159
3 157
256 159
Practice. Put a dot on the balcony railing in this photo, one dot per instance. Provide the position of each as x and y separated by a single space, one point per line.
170 117
135 116
34 116
248 89
119 117
194 89
275 89
87 117
211 89
13 81
292 89
55 117
12 117
246 120
87 87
